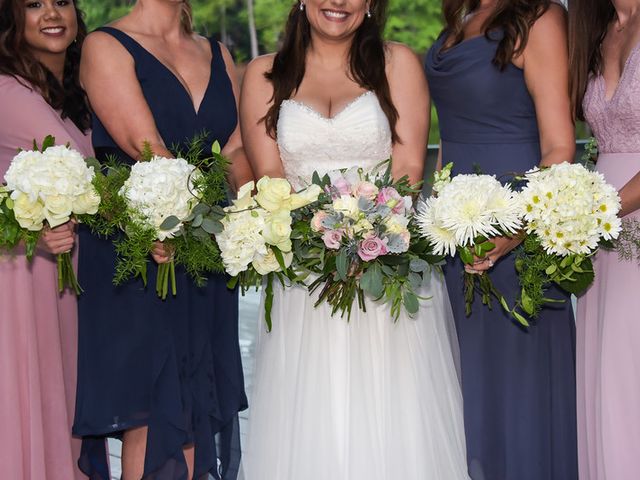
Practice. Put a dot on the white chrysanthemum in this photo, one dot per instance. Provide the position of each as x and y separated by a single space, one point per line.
431 226
570 208
466 207
160 188
58 180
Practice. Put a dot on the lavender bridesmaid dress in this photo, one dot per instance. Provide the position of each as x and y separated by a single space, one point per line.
38 327
608 327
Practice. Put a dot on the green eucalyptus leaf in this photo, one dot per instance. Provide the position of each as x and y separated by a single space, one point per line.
466 256
197 220
201 209
415 280
170 223
418 265
212 226
551 269
411 303
372 281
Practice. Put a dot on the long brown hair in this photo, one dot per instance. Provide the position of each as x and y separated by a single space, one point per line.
514 17
367 61
16 60
588 23
187 17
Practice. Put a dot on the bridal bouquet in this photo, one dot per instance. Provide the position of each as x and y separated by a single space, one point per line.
46 186
255 239
465 212
173 200
361 238
569 212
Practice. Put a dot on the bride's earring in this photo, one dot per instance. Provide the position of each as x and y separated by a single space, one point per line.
301 7
368 14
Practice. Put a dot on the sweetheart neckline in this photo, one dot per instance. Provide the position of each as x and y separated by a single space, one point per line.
315 112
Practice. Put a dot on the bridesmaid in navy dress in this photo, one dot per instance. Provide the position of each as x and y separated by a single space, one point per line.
166 377
498 78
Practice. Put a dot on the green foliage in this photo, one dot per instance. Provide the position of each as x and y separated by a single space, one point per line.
193 245
627 245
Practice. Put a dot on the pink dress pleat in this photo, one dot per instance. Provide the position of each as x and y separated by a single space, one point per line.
608 319
38 327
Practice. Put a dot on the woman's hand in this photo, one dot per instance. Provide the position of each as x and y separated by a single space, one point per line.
59 239
503 245
161 253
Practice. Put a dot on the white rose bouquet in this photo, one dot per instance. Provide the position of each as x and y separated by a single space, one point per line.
46 187
173 200
361 240
569 212
462 216
255 239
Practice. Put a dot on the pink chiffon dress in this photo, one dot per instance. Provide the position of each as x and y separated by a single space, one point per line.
38 327
608 319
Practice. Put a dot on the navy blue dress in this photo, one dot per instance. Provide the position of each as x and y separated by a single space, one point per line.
172 365
518 385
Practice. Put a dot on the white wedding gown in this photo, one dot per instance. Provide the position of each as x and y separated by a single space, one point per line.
366 400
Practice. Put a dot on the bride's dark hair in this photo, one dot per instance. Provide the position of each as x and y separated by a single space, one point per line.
514 17
367 61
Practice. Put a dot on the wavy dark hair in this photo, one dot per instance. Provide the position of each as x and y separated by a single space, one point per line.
367 61
17 61
588 23
514 17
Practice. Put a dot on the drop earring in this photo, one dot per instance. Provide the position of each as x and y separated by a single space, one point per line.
301 7
368 13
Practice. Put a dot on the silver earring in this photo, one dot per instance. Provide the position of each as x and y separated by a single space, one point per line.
368 13
301 6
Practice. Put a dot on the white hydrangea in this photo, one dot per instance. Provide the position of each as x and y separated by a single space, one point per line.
52 186
570 208
160 188
466 207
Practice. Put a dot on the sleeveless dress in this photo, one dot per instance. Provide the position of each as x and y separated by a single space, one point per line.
607 320
518 385
366 400
171 365
38 327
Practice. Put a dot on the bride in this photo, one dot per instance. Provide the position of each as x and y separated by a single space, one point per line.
368 399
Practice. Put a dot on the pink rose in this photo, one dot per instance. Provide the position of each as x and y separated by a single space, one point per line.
316 221
365 189
391 198
332 239
342 186
371 248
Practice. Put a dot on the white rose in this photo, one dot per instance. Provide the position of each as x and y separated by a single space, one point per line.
273 193
277 230
28 213
268 263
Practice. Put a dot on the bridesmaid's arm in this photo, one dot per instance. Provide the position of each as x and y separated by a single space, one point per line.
630 195
546 71
257 91
410 95
107 72
240 170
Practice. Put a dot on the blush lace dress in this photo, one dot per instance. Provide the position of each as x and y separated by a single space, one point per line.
608 323
366 400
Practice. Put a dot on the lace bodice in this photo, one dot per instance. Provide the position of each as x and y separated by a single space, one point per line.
616 122
359 135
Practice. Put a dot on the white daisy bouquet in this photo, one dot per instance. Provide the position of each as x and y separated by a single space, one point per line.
361 239
172 200
569 212
46 187
255 238
461 218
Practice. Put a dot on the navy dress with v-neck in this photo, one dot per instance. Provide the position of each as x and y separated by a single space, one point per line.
173 366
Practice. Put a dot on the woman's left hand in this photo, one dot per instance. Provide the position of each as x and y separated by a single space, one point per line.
503 245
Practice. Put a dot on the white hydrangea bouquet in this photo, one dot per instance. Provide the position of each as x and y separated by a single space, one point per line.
361 240
255 239
464 213
172 200
569 212
46 187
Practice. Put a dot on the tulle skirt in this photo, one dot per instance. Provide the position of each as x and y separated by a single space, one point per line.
369 399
